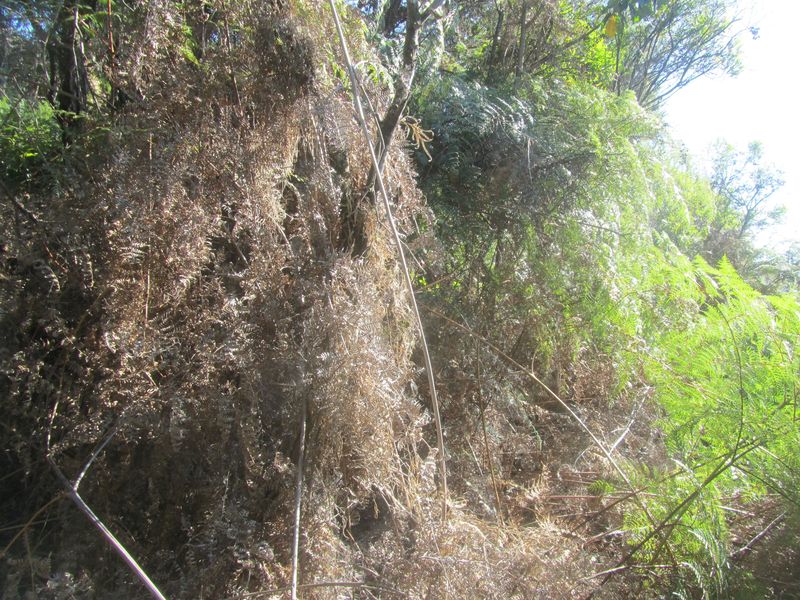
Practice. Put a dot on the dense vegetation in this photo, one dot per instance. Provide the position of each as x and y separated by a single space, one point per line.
205 327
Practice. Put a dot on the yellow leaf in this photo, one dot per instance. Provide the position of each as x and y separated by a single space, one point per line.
611 26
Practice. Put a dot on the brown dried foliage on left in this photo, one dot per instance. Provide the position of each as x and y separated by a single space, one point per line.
181 278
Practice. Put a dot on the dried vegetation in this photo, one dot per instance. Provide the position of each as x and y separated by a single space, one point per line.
185 284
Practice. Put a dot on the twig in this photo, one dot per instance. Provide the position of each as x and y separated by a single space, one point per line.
602 536
671 520
18 205
30 522
482 406
93 456
738 511
621 437
406 275
626 568
642 490
474 456
72 492
298 498
587 496
764 532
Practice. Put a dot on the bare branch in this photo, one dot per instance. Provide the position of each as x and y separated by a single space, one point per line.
72 492
741 551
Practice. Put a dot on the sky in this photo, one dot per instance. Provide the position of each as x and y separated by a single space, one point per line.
761 104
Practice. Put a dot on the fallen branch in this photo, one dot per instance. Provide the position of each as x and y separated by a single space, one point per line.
628 568
741 551
602 536
17 204
323 584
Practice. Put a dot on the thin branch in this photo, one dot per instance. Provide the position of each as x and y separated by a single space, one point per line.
621 437
482 406
106 533
72 492
432 8
298 498
613 570
24 528
93 456
323 584
17 204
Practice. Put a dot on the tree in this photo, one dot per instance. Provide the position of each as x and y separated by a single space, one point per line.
69 81
530 36
51 38
744 186
666 44
400 26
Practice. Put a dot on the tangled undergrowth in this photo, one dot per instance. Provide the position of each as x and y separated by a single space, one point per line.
179 290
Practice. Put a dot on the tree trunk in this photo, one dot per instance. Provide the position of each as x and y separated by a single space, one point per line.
69 83
403 82
523 37
498 29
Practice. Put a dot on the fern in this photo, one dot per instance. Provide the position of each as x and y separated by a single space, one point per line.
725 370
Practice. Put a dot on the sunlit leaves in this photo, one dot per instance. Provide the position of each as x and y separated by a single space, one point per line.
667 44
29 137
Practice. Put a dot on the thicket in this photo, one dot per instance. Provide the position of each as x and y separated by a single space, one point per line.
578 241
204 323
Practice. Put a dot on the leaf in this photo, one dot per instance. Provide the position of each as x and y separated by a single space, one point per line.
611 26
189 55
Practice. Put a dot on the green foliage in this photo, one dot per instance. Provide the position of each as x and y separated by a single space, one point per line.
572 228
538 200
599 59
698 536
568 233
683 205
664 45
722 359
637 9
601 487
188 49
29 138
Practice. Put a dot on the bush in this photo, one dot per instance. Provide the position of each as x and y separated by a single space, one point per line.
29 138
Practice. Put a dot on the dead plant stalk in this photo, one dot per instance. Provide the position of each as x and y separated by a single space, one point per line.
356 90
298 499
72 492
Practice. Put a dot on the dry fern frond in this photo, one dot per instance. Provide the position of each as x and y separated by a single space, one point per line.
420 136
